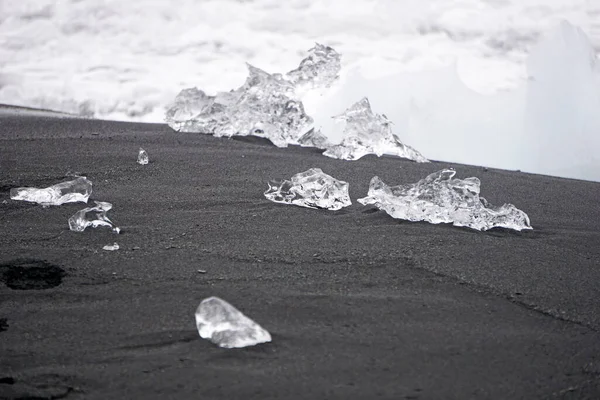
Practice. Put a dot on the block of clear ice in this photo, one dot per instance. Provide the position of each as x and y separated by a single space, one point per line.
440 198
77 190
111 247
226 326
142 158
79 221
312 188
266 105
369 133
314 138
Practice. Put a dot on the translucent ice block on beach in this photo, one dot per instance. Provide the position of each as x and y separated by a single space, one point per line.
314 138
312 189
142 157
266 105
79 221
111 247
226 326
73 191
369 133
439 198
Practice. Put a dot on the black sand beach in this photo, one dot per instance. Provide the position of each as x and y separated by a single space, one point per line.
359 305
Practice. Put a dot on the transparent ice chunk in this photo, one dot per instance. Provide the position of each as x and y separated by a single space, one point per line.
73 191
319 69
111 247
369 133
142 157
226 326
266 105
439 198
79 221
314 138
312 189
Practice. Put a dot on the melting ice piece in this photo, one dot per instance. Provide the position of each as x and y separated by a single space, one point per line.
142 157
266 105
312 189
369 133
439 198
73 191
224 325
79 221
314 138
111 247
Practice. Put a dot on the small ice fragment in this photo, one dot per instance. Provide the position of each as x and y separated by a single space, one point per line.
142 157
224 325
111 247
79 221
314 138
76 190
439 198
312 189
369 133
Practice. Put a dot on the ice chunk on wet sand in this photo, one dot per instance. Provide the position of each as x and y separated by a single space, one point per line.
226 326
314 138
266 105
369 133
439 198
73 191
142 157
111 247
312 188
79 221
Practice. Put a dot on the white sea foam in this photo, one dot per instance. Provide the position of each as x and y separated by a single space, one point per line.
127 60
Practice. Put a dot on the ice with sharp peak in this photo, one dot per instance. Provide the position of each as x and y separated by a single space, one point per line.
77 190
79 221
312 188
369 133
226 326
266 105
441 198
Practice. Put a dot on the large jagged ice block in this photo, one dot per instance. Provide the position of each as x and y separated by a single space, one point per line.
439 198
319 69
312 188
73 191
266 105
369 133
79 221
226 326
142 157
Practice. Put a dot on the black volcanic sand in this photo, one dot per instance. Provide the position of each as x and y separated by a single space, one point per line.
359 305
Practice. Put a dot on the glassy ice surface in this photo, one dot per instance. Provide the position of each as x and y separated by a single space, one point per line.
312 188
226 326
439 198
266 105
142 157
111 247
79 221
314 138
369 133
73 191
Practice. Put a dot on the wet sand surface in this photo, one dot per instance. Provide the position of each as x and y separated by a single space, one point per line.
359 305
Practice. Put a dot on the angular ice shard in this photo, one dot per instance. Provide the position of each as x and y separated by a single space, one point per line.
369 133
111 247
79 221
224 325
314 138
439 198
266 105
319 69
73 191
142 157
312 189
